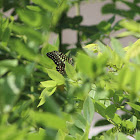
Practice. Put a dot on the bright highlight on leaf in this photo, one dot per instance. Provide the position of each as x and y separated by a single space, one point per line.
49 83
134 50
56 76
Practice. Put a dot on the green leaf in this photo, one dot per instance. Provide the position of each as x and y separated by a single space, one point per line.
98 94
117 99
31 34
133 51
131 25
48 48
112 19
48 5
24 51
37 135
133 119
74 130
85 64
11 87
128 125
34 8
121 136
102 47
31 18
138 135
134 106
110 111
9 63
80 122
48 91
12 133
57 43
56 76
28 53
124 77
42 101
104 27
117 47
6 35
129 78
60 135
29 68
88 109
68 137
125 34
15 82
3 70
109 8
48 120
70 71
86 133
49 83
92 47
101 109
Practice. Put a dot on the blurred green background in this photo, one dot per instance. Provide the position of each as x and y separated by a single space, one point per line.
37 102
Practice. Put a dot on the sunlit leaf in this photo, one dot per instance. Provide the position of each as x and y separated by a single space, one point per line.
70 71
49 83
131 25
134 50
56 76
48 91
92 47
133 119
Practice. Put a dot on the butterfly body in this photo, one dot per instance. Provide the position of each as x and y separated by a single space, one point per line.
59 59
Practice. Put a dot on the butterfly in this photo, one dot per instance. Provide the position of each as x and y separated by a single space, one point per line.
59 59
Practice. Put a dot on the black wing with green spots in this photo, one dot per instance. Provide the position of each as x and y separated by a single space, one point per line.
59 59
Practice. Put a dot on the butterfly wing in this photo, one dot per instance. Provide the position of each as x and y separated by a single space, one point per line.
59 59
61 69
54 55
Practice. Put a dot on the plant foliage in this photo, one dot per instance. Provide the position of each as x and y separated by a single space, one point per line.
37 102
